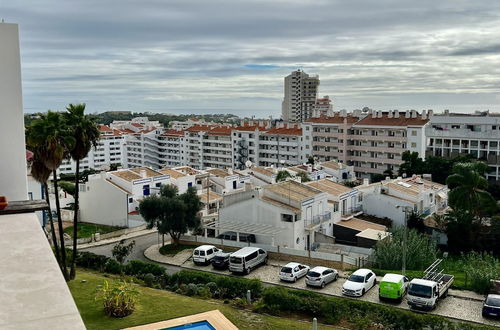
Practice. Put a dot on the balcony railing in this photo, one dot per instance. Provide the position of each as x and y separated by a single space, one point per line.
317 219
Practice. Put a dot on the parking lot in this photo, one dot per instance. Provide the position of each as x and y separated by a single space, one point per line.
452 306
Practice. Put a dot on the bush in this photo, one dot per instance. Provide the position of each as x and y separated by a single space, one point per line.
91 261
137 267
192 289
480 268
205 292
212 286
149 280
118 300
113 267
228 287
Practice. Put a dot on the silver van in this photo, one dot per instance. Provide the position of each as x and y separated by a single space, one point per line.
246 259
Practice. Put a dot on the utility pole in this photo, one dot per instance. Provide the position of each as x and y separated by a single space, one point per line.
405 229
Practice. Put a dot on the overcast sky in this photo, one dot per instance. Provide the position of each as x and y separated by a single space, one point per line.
231 56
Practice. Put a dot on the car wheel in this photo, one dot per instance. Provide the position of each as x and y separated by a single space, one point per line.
247 271
336 277
295 279
265 261
322 284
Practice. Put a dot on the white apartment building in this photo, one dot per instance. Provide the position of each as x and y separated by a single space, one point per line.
282 145
478 134
301 92
109 150
171 148
372 142
323 105
285 214
217 148
246 142
390 198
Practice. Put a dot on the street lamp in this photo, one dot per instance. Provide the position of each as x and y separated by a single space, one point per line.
405 209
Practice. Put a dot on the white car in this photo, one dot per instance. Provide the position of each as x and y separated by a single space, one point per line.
359 283
203 254
292 271
321 276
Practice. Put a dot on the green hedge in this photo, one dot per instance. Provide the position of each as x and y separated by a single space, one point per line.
233 286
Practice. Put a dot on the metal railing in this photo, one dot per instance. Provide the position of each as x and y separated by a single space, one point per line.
317 219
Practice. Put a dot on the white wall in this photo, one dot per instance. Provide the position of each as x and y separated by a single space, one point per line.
13 174
383 206
103 203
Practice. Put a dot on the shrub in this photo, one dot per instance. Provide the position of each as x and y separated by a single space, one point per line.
228 287
113 267
91 261
149 280
212 286
204 292
118 300
192 289
480 268
137 267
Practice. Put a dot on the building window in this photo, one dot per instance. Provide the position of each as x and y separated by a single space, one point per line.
287 217
413 145
413 133
130 200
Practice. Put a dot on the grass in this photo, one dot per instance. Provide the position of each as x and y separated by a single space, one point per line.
159 305
171 249
87 229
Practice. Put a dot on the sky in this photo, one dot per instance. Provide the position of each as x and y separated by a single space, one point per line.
231 56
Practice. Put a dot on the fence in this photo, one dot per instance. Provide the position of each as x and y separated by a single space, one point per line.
338 260
112 234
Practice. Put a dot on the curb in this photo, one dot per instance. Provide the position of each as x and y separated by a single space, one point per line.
329 294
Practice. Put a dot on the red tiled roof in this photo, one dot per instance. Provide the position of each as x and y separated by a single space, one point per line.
324 119
173 132
199 128
104 128
136 124
220 131
386 121
285 131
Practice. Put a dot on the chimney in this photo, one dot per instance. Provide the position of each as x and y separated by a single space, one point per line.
366 182
430 113
390 114
379 114
343 113
250 123
396 113
413 114
407 114
424 114
248 186
230 171
330 113
446 112
289 125
374 114
143 174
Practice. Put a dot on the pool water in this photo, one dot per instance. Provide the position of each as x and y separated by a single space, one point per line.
202 325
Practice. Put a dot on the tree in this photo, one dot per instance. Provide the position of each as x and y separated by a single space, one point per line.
68 187
412 164
389 173
310 160
421 250
121 251
282 175
377 177
468 189
170 212
303 177
416 221
52 139
86 135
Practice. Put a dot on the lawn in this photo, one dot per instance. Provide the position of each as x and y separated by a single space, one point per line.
87 229
171 249
158 305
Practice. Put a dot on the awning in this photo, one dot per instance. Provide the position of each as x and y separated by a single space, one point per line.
442 195
247 228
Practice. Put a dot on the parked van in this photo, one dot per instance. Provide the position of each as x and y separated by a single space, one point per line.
203 254
246 259
393 286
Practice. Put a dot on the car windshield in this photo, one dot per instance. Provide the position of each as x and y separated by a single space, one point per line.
356 278
235 260
419 290
313 274
286 270
493 301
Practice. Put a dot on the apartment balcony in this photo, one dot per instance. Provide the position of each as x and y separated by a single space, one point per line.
351 212
317 220
369 170
367 137
324 143
384 149
462 133
378 160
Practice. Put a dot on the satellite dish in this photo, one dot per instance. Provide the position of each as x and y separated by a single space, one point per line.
248 164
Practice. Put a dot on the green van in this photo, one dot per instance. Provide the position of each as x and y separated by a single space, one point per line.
393 287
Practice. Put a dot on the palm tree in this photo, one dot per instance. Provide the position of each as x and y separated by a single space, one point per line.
86 135
52 140
41 174
468 189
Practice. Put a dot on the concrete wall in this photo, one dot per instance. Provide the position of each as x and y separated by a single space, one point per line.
383 206
13 174
103 203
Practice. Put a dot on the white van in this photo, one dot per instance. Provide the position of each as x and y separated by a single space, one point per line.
246 259
203 254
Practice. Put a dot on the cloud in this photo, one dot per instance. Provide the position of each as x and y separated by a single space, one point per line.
193 55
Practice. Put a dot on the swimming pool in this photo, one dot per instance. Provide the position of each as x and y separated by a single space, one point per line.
203 325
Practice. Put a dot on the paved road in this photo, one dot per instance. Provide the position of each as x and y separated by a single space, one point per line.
141 244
